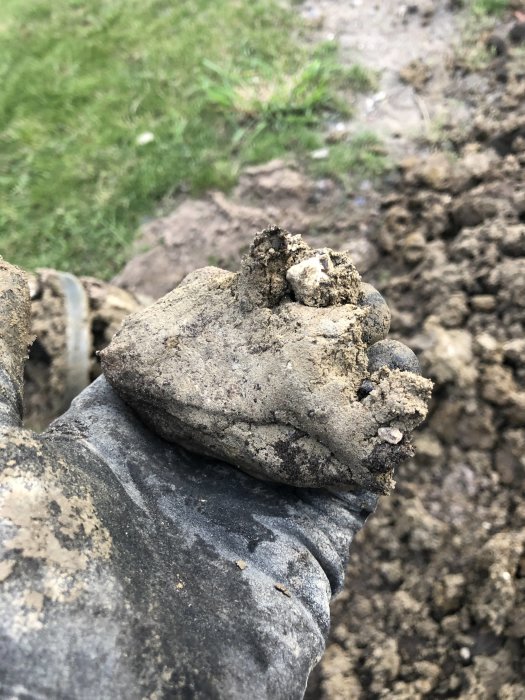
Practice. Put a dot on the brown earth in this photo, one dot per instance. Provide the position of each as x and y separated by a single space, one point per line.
410 47
435 598
63 357
279 352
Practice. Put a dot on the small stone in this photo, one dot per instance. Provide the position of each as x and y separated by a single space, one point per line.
392 354
391 435
465 654
366 388
241 564
306 277
320 154
145 138
483 302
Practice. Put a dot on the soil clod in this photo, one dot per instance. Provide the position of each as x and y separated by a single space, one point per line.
263 368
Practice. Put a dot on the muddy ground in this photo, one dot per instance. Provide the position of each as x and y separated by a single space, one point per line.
434 605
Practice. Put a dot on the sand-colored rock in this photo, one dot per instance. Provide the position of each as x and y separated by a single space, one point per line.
264 368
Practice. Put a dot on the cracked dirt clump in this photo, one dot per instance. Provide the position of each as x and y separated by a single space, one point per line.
268 369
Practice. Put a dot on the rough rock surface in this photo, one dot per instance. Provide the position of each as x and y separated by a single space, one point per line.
265 369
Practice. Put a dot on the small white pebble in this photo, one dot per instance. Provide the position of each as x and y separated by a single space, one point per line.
391 435
328 328
306 277
464 652
505 575
320 154
145 138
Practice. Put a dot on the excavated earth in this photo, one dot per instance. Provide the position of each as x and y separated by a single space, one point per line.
282 369
434 605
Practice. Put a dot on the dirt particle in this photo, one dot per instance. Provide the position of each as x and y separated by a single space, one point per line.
283 589
6 567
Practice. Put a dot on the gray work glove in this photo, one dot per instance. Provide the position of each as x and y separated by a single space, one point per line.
130 568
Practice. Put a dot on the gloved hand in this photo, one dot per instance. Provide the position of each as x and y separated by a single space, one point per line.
130 568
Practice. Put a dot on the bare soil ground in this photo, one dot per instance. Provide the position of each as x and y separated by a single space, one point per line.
435 598
411 47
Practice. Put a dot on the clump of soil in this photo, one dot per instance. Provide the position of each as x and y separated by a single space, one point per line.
14 300
281 369
435 598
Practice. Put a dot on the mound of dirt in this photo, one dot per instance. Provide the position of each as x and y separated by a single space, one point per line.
218 230
435 598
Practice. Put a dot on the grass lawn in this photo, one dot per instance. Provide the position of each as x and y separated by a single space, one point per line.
489 7
109 106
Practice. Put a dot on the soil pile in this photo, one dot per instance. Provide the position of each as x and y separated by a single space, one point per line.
218 229
435 598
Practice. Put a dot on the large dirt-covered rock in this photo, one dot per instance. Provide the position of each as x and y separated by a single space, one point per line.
269 369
